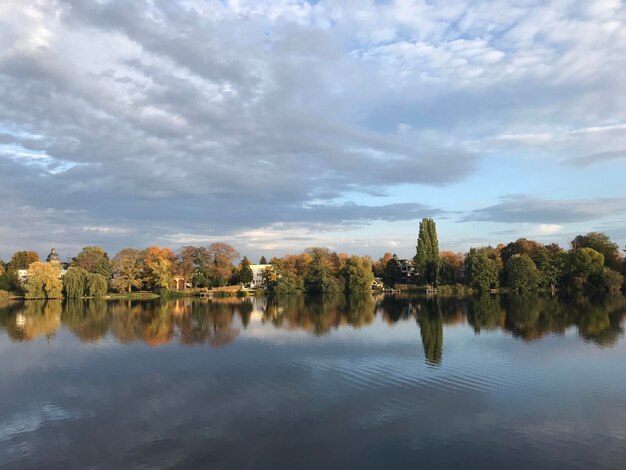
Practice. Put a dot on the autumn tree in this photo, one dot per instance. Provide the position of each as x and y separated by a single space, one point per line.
127 267
319 278
22 260
43 281
75 282
157 267
221 257
451 264
93 259
427 256
380 265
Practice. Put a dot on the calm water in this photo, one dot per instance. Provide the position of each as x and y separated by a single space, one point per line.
386 382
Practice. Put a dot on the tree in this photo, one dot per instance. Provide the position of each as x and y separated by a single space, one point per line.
244 273
262 260
157 267
451 264
357 274
43 281
427 256
609 280
221 256
601 243
22 260
319 279
281 282
93 259
392 274
522 274
75 282
380 265
96 285
482 271
584 268
127 266
521 246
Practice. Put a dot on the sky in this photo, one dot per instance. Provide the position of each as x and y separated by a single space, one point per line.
279 125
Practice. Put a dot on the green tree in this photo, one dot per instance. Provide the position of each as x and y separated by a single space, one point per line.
93 259
522 273
427 256
43 281
608 280
127 266
75 282
96 285
392 274
550 260
357 274
244 272
601 243
584 269
280 282
481 271
319 279
262 260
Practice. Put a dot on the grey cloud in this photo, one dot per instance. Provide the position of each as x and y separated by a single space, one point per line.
600 157
186 116
529 209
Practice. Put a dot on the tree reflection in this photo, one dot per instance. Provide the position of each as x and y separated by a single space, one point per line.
217 322
88 320
430 321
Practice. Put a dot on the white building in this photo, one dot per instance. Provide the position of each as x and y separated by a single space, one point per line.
257 274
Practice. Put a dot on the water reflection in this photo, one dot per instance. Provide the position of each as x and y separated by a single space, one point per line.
219 322
398 381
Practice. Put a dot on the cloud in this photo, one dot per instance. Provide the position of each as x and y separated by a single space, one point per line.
550 214
600 157
208 117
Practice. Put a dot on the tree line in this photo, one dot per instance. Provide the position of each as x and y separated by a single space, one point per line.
593 263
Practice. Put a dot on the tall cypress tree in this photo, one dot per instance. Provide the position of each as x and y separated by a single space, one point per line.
427 257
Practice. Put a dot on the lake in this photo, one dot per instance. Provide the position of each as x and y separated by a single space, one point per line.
365 382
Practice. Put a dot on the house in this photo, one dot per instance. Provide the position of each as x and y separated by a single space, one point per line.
378 284
409 273
257 274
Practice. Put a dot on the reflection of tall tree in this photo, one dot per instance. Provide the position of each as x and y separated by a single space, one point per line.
430 321
245 312
87 319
